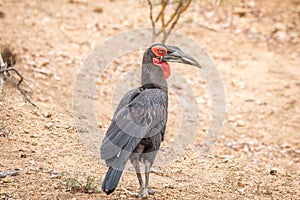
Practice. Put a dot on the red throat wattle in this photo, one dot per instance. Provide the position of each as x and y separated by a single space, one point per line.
164 66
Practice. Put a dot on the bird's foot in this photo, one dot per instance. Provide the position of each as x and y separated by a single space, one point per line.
144 192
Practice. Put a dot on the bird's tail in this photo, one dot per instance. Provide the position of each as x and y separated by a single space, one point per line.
111 180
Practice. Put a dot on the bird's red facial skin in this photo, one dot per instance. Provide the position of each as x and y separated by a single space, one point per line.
159 51
166 69
164 66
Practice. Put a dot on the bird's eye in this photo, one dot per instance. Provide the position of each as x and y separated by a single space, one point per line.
160 51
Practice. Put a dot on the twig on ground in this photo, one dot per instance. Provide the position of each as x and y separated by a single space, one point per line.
5 174
4 69
211 29
129 192
157 171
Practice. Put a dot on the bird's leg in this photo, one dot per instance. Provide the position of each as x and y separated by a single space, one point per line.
147 172
136 166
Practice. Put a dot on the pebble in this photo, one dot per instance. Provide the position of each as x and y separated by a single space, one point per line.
55 133
2 14
47 114
98 9
7 179
55 175
32 162
239 123
273 172
231 119
241 190
26 131
48 125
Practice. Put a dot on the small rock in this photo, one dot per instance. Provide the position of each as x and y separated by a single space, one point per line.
32 162
181 184
46 20
273 172
249 100
98 9
57 186
241 190
47 114
227 158
26 131
267 192
7 179
231 119
31 63
239 123
55 175
241 12
48 125
201 100
169 186
157 171
2 14
4 132
43 71
23 156
280 26
34 143
246 148
286 145
122 196
241 184
251 3
54 133
282 36
261 103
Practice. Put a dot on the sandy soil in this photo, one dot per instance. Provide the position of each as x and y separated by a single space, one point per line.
256 50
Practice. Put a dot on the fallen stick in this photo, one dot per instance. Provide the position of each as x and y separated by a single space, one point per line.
5 174
4 69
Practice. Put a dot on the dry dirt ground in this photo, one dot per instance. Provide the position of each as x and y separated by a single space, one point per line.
255 45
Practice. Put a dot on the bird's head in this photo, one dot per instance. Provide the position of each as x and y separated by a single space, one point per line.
161 54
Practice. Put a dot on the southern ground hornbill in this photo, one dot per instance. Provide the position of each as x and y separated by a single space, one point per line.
138 126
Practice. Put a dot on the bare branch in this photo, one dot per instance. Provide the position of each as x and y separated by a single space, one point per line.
174 13
167 25
176 19
180 12
164 4
3 71
152 21
162 10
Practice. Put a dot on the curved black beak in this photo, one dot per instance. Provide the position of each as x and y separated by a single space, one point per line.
175 54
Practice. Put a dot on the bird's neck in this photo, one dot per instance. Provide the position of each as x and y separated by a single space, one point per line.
152 76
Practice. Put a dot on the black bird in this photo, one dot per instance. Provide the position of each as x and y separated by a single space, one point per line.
138 126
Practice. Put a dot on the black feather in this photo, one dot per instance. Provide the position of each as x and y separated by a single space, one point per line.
111 180
142 113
